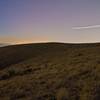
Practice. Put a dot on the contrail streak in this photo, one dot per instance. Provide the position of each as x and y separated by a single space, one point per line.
86 27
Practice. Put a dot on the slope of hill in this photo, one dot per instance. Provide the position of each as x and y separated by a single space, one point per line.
50 71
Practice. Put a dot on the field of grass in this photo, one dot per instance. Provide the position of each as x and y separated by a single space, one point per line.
50 71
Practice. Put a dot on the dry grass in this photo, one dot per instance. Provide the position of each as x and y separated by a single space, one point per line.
50 71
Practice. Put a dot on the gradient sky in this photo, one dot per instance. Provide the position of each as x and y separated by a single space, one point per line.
23 21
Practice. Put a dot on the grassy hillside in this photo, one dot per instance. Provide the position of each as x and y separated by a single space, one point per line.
50 71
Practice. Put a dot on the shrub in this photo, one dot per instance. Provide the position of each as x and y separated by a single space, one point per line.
12 72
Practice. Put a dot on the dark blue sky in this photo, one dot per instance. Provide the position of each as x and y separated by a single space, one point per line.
24 21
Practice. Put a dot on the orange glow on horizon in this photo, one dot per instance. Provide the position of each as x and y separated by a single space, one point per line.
15 40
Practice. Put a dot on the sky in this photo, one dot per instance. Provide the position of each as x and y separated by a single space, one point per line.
70 21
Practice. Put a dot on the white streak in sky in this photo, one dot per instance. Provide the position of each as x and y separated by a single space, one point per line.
86 27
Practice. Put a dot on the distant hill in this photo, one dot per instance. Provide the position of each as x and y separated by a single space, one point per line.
4 44
50 71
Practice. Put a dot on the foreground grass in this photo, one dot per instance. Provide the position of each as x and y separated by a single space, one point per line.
50 71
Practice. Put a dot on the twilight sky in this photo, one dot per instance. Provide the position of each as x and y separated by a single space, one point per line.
23 21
